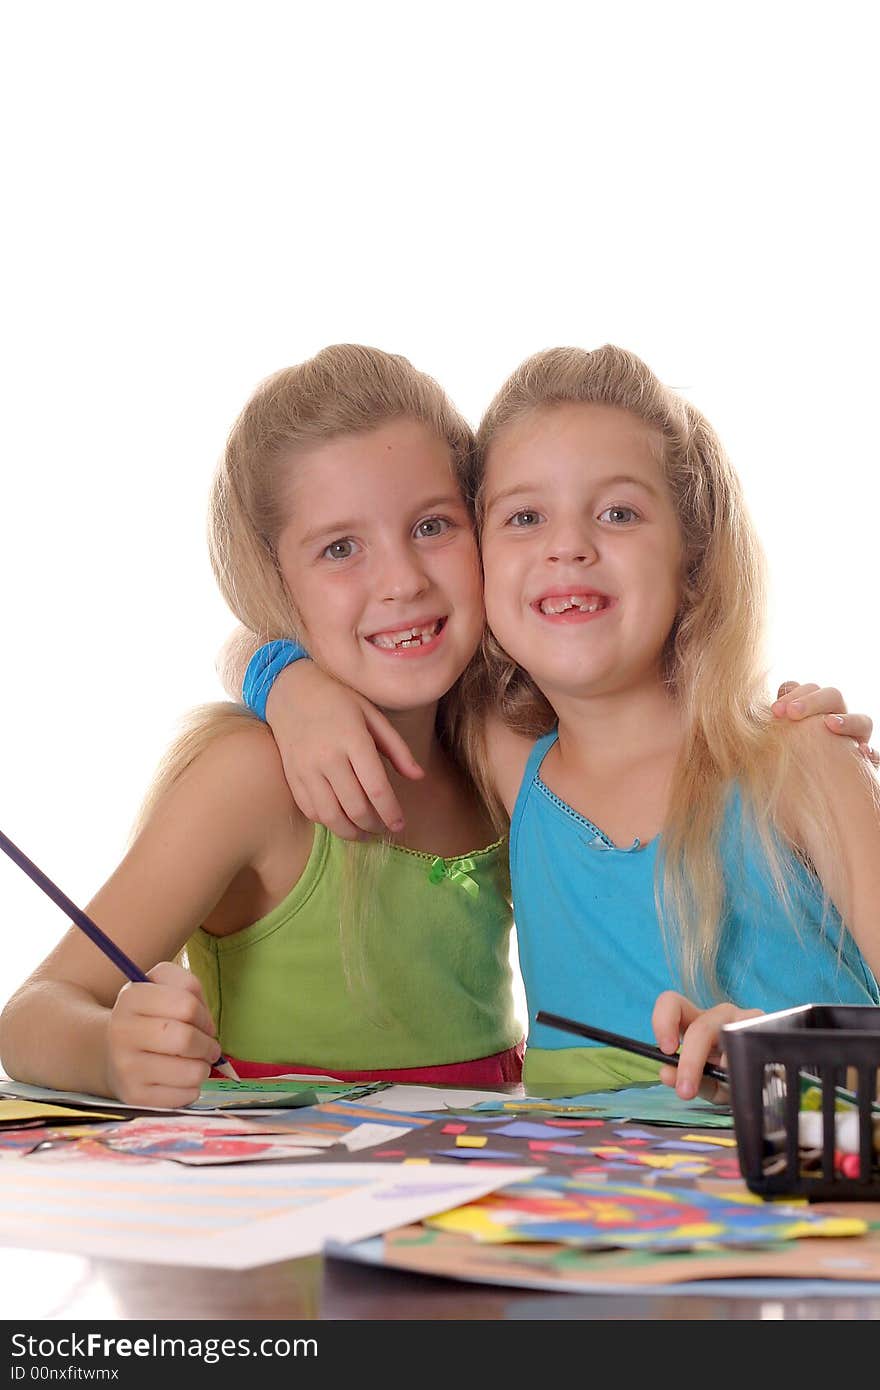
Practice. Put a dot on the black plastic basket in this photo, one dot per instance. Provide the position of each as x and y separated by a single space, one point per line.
771 1060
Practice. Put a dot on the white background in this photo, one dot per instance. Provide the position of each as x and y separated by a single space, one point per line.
196 194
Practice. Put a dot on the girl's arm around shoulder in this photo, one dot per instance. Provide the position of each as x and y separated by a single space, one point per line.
210 836
840 835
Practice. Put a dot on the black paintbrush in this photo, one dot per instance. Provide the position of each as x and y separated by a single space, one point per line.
584 1030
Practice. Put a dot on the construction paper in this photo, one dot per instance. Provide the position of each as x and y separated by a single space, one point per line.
220 1217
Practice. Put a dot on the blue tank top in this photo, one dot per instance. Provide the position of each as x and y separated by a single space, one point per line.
590 943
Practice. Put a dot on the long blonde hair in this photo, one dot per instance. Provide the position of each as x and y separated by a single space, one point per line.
345 389
712 659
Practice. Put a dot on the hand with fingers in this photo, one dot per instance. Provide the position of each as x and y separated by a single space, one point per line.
676 1020
332 743
161 1042
799 702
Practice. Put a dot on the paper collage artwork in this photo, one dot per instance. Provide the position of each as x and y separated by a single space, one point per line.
512 1190
595 1214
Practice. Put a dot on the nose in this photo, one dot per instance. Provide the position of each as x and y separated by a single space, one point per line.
571 545
403 577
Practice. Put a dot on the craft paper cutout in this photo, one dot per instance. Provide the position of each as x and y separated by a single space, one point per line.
653 1104
14 1111
525 1129
502 1154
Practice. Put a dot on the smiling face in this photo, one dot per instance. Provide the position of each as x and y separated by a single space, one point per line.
581 549
381 561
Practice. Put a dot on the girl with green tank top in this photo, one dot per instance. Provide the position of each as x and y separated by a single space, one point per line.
339 517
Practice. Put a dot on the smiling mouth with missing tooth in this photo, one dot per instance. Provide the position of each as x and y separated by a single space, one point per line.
556 604
408 638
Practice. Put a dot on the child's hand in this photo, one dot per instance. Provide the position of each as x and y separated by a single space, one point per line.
802 701
160 1041
699 1030
330 739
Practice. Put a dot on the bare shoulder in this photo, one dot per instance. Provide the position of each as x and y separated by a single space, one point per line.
239 772
826 752
834 765
221 806
230 792
508 752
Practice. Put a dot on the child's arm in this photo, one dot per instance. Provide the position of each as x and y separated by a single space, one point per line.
508 751
677 1020
331 740
845 853
75 1024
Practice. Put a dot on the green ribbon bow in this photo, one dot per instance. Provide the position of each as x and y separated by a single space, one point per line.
459 871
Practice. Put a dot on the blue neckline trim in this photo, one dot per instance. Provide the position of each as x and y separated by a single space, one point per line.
600 840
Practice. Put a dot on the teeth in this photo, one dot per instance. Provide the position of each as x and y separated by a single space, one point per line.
563 603
406 637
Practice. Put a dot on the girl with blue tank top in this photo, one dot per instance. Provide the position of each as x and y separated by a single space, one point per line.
679 857
666 835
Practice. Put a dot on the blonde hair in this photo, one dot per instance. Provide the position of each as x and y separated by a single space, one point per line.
345 389
712 658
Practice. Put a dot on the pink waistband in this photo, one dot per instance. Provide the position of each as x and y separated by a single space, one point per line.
485 1071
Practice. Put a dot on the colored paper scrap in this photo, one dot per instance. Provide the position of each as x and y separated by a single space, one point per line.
471 1141
573 1124
367 1135
652 1104
525 1129
553 1146
684 1146
14 1111
504 1154
436 1098
721 1140
677 1162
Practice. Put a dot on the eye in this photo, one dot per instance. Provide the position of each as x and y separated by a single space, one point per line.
619 516
340 550
524 518
432 526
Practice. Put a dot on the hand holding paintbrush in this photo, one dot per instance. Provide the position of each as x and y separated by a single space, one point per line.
140 1022
688 1069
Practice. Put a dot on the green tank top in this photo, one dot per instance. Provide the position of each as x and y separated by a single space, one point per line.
429 982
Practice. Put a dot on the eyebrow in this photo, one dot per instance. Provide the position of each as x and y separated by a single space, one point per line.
619 479
335 528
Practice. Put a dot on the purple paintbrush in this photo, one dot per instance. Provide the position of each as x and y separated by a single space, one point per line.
85 923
